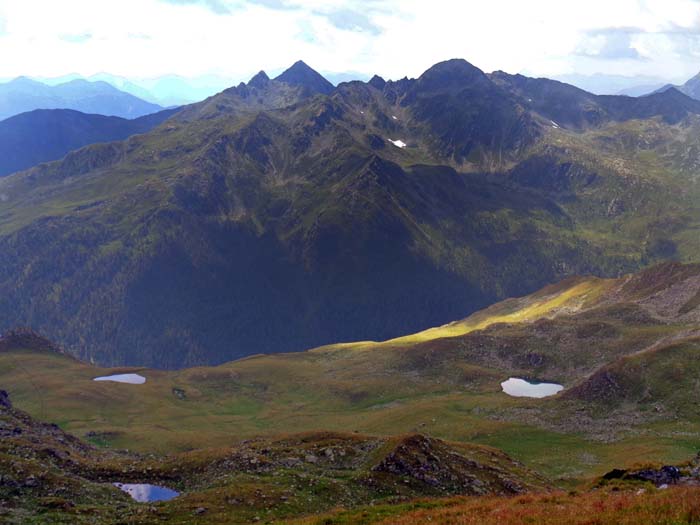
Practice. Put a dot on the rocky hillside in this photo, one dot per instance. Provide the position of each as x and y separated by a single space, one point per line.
44 473
48 476
280 215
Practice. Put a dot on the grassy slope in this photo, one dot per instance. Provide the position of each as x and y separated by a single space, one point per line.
574 294
447 387
51 477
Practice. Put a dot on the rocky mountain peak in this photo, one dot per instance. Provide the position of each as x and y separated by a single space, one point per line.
452 73
377 82
259 81
300 74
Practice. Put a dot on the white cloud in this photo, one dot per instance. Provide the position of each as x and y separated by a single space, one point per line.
235 38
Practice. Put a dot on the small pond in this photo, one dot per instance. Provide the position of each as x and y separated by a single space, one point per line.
132 379
144 493
517 387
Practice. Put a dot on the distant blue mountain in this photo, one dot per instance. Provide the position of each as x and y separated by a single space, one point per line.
603 84
43 135
690 88
23 94
168 90
640 91
176 90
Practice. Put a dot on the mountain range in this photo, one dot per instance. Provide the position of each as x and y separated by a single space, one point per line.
606 84
175 90
23 94
284 213
294 302
690 88
167 90
43 135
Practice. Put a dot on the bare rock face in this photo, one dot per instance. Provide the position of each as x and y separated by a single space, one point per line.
5 399
666 475
616 207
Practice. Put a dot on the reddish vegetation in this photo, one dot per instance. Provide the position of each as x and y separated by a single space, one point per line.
659 277
675 505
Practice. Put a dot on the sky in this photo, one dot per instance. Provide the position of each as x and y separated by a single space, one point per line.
393 38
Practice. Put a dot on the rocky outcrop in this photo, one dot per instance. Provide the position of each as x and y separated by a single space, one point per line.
26 338
5 399
422 460
660 477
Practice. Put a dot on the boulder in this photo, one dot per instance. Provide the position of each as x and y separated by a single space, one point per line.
5 399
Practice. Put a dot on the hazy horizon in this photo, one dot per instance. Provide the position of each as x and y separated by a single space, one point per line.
342 39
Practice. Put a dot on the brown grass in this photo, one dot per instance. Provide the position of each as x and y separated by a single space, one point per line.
673 506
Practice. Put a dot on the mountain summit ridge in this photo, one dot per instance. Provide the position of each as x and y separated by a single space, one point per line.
271 217
259 80
300 74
